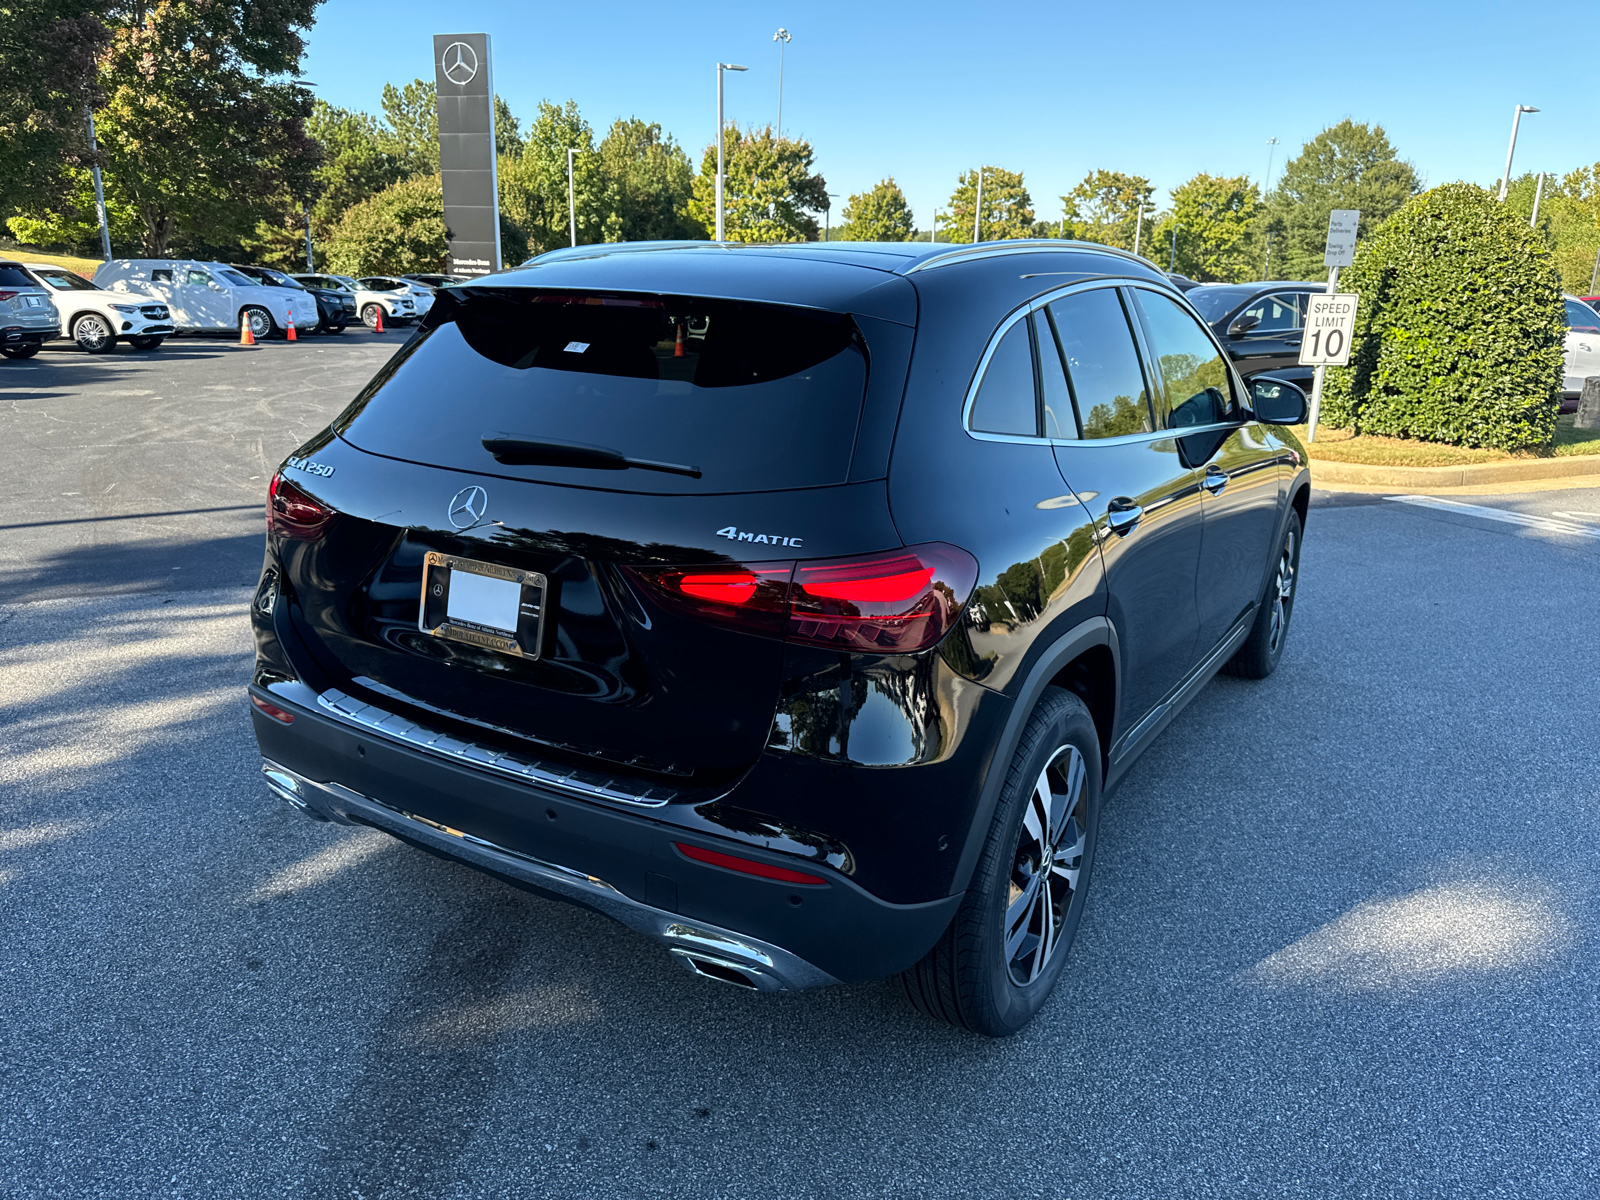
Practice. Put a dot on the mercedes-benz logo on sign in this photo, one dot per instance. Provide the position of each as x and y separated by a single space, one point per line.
460 63
468 506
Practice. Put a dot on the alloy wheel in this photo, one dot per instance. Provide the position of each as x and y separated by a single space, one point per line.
260 322
1047 864
1282 595
91 333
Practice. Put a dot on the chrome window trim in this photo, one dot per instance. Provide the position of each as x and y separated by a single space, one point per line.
1126 439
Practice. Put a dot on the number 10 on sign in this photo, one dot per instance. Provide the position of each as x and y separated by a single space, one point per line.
1330 324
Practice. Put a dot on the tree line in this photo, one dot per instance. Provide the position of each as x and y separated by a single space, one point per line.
211 147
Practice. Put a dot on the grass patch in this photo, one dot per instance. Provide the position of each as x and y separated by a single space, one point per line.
83 266
1340 445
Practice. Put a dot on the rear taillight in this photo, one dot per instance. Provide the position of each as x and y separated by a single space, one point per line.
887 604
7 295
272 710
292 513
892 603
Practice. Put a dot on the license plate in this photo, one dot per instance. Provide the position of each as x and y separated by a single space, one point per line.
482 604
33 301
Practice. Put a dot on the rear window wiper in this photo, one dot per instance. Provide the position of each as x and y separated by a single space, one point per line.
515 450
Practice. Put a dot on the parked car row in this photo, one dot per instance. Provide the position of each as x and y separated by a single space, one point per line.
145 301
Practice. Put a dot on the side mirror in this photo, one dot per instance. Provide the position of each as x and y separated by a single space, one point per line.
1243 325
1277 402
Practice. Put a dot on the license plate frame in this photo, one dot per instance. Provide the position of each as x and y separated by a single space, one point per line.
433 618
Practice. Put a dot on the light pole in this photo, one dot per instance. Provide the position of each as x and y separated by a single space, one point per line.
305 85
721 67
1538 191
1172 263
1516 118
827 216
783 39
572 199
977 209
1272 147
1138 226
933 230
100 195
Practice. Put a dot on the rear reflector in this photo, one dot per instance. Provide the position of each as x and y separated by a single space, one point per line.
747 866
272 710
291 512
897 602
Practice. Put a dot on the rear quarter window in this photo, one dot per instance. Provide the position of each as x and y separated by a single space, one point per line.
756 397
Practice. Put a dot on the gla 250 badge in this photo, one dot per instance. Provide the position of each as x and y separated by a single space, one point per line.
309 467
765 539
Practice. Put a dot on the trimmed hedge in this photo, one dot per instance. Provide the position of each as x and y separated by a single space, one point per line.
1459 336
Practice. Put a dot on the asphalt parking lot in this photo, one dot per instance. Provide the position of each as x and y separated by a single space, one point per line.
1341 942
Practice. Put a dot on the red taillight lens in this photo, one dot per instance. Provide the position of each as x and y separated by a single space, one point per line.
292 513
891 603
6 295
753 596
747 866
273 711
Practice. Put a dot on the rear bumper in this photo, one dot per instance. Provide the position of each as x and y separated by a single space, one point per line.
22 335
762 933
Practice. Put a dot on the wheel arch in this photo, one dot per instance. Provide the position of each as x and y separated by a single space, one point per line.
1085 660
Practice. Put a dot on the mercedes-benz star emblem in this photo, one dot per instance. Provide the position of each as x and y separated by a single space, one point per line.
468 506
460 63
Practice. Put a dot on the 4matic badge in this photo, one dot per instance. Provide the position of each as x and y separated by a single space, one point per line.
764 539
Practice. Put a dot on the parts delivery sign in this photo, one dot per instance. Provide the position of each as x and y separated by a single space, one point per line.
1330 324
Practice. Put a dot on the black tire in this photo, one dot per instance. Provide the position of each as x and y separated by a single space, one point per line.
94 334
1261 652
996 964
369 316
145 343
262 326
27 350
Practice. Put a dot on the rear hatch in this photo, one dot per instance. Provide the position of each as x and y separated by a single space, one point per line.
24 302
552 467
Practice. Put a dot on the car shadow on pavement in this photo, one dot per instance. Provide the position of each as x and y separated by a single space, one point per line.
163 564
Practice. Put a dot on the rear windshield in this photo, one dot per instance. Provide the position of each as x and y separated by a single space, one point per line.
16 277
736 396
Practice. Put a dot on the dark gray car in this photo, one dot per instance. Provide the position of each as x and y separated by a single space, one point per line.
1260 324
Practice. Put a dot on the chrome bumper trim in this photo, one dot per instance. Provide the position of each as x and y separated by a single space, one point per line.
573 780
766 967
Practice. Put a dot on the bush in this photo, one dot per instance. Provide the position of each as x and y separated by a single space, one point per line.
1459 334
399 230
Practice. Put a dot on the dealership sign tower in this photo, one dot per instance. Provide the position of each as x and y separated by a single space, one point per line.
464 85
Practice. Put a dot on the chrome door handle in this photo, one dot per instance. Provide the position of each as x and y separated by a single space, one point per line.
1122 514
1214 481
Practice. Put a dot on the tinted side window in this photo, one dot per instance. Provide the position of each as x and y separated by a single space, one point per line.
161 275
1107 381
1279 313
1581 316
1005 402
1199 390
195 278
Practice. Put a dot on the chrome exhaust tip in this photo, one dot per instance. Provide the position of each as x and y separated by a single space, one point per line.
285 784
723 972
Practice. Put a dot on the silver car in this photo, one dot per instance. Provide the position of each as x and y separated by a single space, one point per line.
28 315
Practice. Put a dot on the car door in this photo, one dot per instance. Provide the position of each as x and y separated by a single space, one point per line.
1269 328
1144 499
1583 345
1237 457
209 300
165 282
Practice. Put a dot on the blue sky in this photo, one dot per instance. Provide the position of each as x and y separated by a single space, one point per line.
924 92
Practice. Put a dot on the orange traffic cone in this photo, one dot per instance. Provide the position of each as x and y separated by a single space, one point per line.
289 334
246 338
378 328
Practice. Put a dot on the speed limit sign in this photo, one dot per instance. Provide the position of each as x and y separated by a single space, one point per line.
1330 324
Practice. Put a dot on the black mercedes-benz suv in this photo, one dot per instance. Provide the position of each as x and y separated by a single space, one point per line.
794 605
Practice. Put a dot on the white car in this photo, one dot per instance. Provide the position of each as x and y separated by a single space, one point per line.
208 297
1583 350
421 294
398 307
97 319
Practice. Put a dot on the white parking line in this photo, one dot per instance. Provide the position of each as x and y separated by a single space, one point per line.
1543 524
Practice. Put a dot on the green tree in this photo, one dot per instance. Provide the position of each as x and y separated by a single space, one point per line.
48 51
879 215
1569 221
410 132
1007 207
1105 206
399 230
1459 333
647 181
1214 216
355 164
769 190
200 128
1348 165
533 184
71 223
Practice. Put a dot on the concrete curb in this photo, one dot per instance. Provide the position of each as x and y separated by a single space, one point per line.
1576 466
